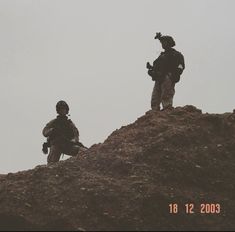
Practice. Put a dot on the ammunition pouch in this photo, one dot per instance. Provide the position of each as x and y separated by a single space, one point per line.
156 76
45 147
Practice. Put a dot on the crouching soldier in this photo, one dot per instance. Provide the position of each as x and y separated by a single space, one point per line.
165 71
62 135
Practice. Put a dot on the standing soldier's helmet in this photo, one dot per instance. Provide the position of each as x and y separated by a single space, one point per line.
167 38
62 104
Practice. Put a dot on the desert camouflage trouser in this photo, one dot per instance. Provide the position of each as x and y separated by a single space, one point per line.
56 151
163 93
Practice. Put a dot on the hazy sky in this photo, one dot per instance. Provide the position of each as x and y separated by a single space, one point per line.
93 54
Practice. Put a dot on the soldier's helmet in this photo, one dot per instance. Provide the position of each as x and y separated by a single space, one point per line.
167 38
62 104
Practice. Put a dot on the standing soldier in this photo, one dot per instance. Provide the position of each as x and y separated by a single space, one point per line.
165 71
62 135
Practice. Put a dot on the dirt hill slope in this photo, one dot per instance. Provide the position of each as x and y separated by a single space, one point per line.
127 182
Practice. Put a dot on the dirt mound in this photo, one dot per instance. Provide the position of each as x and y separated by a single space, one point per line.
128 182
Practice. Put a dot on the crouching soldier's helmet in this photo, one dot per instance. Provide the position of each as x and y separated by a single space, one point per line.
62 104
167 38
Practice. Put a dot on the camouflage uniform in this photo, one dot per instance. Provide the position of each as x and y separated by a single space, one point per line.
166 71
163 92
63 138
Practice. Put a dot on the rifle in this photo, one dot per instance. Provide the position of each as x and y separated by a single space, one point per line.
47 144
151 72
57 132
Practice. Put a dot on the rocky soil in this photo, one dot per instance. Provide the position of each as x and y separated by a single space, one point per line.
127 183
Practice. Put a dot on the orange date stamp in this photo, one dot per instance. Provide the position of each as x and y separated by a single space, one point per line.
191 208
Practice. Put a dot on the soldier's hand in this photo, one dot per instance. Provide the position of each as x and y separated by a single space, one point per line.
178 71
150 73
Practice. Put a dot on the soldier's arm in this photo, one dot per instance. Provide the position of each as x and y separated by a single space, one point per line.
181 64
47 130
75 132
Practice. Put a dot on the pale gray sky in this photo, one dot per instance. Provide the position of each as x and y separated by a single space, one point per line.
93 55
